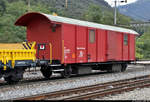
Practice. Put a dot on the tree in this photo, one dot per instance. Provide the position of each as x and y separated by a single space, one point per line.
97 15
10 10
139 46
93 14
8 31
143 46
2 7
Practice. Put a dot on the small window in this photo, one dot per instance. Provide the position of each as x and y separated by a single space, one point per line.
92 36
125 39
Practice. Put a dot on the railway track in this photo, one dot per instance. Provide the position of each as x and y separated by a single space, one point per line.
40 78
94 91
34 80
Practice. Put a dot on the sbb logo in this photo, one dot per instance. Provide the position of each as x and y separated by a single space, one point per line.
42 47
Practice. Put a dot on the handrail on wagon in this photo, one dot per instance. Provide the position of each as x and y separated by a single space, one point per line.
62 51
51 53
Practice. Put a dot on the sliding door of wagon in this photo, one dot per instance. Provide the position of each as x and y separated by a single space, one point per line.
126 47
114 46
91 45
81 44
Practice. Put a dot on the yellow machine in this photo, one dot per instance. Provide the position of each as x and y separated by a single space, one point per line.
13 55
11 46
16 57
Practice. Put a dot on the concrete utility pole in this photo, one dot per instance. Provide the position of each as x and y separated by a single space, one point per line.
115 11
29 5
66 2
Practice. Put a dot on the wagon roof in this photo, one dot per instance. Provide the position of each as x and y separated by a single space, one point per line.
75 22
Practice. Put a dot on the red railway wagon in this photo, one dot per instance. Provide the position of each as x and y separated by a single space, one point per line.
72 46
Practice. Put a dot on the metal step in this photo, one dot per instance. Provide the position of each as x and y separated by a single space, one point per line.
55 65
58 70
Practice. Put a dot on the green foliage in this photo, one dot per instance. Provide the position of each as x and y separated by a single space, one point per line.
123 20
2 7
11 10
139 46
95 13
9 32
143 46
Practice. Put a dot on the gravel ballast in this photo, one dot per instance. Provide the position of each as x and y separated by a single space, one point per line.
138 94
51 86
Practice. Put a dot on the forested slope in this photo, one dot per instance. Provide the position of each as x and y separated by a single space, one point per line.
91 10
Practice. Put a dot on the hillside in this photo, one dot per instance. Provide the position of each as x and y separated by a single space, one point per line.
76 8
138 10
91 10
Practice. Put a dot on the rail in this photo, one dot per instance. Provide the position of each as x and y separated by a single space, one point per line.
93 91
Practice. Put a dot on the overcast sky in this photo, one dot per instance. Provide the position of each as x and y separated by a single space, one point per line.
111 2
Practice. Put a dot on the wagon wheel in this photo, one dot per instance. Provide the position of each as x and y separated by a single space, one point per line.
67 72
11 79
124 67
46 71
1 75
15 76
115 68
109 68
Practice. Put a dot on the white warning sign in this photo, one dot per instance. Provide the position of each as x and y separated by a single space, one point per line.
42 47
81 54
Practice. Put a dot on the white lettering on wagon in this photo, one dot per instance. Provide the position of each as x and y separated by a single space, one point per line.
80 48
66 51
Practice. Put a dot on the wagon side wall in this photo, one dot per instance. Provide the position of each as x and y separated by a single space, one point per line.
39 29
109 45
69 38
132 47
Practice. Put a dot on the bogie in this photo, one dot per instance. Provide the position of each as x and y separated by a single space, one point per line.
14 75
124 67
67 71
46 71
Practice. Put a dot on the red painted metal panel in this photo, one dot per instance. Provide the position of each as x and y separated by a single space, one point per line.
111 46
119 46
43 53
114 46
69 43
39 29
81 54
125 50
101 45
132 47
91 47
